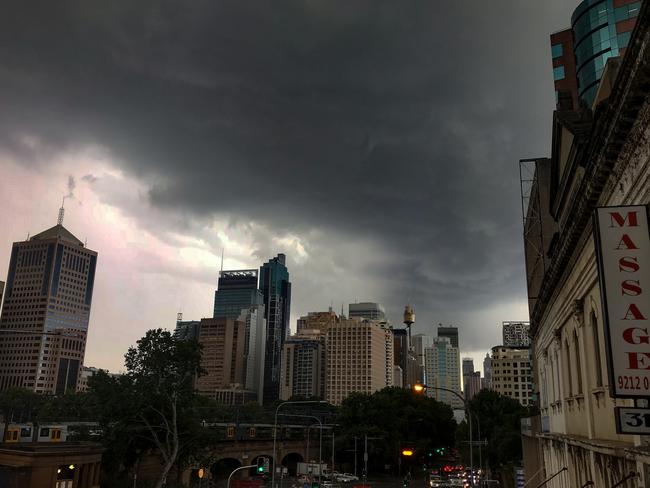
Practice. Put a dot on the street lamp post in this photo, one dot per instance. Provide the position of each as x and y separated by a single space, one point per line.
419 388
275 429
320 443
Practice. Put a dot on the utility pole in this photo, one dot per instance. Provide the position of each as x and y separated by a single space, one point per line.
365 460
332 449
355 455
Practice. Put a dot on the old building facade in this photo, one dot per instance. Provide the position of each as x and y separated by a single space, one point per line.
599 158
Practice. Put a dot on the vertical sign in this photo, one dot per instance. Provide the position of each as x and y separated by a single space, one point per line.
623 250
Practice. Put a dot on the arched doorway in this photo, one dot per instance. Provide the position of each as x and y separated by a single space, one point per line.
223 467
290 461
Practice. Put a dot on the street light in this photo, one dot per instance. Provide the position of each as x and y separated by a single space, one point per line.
420 388
320 443
275 430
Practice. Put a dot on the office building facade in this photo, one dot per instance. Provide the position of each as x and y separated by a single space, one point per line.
487 372
367 310
276 292
222 359
317 321
450 333
512 373
303 365
236 291
472 384
47 303
516 334
254 349
187 329
442 365
359 358
600 30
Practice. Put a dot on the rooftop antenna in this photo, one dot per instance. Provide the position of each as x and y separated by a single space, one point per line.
222 249
59 220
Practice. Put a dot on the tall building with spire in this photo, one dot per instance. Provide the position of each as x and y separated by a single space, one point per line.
44 321
236 291
276 292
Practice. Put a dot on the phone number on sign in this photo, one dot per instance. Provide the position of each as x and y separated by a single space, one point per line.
633 383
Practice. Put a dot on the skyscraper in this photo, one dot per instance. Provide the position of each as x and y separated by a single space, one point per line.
2 289
317 320
516 334
487 372
47 303
186 329
254 348
600 29
367 310
449 332
303 365
420 343
236 291
512 373
442 364
400 352
276 292
468 366
359 358
223 360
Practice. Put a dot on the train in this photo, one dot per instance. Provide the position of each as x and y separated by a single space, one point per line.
231 431
47 431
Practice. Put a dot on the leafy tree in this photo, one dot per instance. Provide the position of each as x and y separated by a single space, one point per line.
152 406
499 418
20 405
400 419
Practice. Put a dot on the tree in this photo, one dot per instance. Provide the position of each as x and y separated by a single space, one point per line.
500 418
20 405
152 405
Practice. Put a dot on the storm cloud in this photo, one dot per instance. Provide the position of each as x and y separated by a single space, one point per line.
382 135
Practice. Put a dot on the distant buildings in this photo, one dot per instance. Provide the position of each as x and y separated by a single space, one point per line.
187 329
487 372
442 367
512 373
471 379
367 310
254 349
47 303
223 360
449 332
303 365
516 334
276 291
317 320
359 356
236 290
400 354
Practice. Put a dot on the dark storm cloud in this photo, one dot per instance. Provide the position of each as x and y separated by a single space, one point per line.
397 121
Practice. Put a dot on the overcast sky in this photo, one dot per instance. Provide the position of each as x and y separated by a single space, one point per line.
375 143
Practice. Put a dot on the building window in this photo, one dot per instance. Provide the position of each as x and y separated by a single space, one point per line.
556 50
558 73
596 355
576 351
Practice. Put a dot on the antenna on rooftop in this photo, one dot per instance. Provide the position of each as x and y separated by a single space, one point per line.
222 249
59 220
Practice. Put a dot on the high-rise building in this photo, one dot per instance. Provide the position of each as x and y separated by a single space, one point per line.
420 343
516 334
442 364
400 352
276 292
468 366
487 372
359 357
2 289
600 29
222 359
303 365
472 384
512 374
449 332
236 290
317 320
47 303
367 310
186 329
254 349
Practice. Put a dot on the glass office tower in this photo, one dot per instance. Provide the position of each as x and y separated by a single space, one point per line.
276 292
236 291
600 29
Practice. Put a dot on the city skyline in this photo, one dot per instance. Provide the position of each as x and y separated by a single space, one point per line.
161 231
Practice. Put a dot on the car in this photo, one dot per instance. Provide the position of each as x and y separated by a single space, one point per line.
346 478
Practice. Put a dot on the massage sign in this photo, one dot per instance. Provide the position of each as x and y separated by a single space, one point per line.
623 250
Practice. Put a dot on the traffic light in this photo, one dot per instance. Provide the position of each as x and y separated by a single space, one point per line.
262 465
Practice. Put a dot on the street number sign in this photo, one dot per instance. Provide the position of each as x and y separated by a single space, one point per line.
631 420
